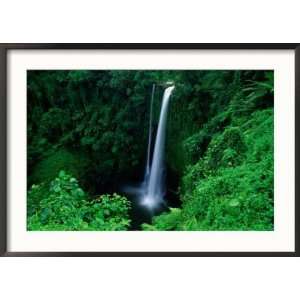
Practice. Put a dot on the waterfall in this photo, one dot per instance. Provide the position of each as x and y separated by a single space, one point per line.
154 191
147 173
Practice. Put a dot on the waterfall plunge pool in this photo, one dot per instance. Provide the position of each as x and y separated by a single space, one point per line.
140 213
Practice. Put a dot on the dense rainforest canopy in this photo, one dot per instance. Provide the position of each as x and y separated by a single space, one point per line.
87 135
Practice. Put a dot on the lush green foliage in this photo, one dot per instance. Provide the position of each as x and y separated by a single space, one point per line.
63 205
228 185
94 125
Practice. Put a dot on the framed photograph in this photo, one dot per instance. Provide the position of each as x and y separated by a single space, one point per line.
149 149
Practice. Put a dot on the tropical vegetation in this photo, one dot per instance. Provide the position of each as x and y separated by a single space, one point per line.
88 132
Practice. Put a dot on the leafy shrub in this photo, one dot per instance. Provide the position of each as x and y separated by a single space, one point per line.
63 205
34 196
192 175
165 221
109 212
226 149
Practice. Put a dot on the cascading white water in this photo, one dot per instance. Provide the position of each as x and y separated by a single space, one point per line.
154 191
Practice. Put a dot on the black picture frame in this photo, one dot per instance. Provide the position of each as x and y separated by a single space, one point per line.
4 48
